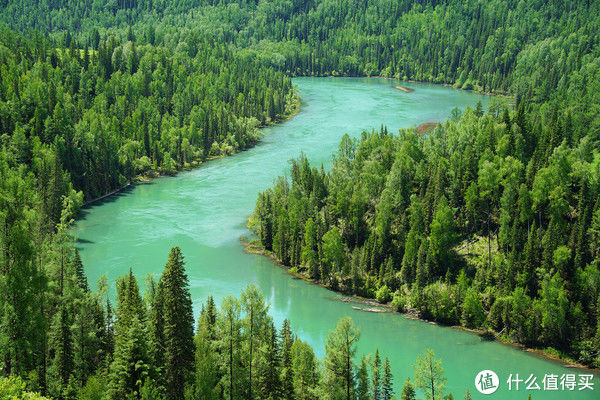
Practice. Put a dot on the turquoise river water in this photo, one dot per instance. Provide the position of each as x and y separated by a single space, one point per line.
204 212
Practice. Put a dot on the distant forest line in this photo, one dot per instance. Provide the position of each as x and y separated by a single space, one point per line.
93 93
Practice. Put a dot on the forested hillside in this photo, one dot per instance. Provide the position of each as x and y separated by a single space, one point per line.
472 44
489 222
492 221
116 109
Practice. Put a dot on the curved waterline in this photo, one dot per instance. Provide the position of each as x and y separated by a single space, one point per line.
204 212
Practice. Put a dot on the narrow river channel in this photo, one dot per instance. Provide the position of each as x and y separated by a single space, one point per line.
204 212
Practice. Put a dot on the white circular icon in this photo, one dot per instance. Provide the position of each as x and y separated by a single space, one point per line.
487 381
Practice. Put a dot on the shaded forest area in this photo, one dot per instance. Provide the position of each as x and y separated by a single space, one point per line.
494 46
492 220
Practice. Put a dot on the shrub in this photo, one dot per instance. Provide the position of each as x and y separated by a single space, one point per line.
399 302
383 295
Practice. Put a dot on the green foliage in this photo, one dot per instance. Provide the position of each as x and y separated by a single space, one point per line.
333 253
304 370
383 295
492 46
429 376
362 381
493 220
476 239
132 364
94 389
387 390
443 236
340 349
399 302
131 108
256 324
408 391
206 368
14 388
176 306
472 313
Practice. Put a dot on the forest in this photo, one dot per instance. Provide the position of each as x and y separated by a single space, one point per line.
99 114
492 221
489 222
497 230
149 347
503 46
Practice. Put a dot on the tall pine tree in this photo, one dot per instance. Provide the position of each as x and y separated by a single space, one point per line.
178 325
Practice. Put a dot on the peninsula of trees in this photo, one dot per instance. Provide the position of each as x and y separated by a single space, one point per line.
491 221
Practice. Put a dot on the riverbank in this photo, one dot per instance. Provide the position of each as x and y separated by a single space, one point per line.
548 354
152 174
499 93
128 184
371 305
426 128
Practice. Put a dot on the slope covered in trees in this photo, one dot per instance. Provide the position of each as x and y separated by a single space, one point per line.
490 221
101 115
473 44
148 347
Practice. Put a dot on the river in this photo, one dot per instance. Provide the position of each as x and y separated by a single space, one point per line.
204 212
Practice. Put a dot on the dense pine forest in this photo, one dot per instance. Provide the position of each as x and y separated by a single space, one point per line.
500 45
150 348
113 110
492 221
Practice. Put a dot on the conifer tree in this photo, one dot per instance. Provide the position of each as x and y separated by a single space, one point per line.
376 376
178 325
129 303
86 331
287 377
429 376
340 349
229 329
255 323
362 381
268 370
131 361
208 318
61 349
304 366
156 324
107 341
309 250
80 273
131 366
408 391
386 385
206 370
